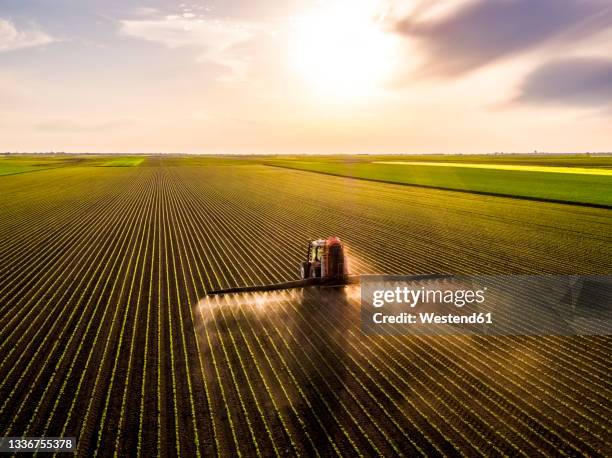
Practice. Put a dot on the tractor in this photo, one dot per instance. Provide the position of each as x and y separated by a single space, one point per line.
325 265
325 260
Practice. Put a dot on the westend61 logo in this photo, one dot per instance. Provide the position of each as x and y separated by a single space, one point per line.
412 297
486 304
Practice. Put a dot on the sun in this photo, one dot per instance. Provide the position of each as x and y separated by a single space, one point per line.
342 48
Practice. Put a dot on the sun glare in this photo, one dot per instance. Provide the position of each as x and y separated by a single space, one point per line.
342 49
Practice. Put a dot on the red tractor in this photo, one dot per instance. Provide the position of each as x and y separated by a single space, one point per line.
325 260
325 265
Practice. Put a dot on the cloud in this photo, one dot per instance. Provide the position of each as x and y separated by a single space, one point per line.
214 40
575 82
488 30
12 38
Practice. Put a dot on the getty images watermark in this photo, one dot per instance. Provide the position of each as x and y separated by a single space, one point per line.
487 304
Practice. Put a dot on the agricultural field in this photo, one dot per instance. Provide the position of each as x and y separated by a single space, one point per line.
584 180
542 159
123 162
14 164
107 333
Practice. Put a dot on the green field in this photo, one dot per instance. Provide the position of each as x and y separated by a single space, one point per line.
15 164
559 180
108 334
560 160
123 162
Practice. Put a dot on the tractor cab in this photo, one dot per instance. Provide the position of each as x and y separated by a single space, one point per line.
325 260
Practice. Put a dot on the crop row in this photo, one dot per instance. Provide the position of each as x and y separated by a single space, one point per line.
107 333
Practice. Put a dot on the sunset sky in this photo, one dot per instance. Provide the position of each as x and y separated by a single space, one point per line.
335 76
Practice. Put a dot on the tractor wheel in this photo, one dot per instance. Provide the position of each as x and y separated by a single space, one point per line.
305 270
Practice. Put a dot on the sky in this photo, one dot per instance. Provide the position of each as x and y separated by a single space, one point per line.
306 76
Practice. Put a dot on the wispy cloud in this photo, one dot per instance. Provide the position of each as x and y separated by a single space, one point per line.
215 41
485 31
13 38
576 82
